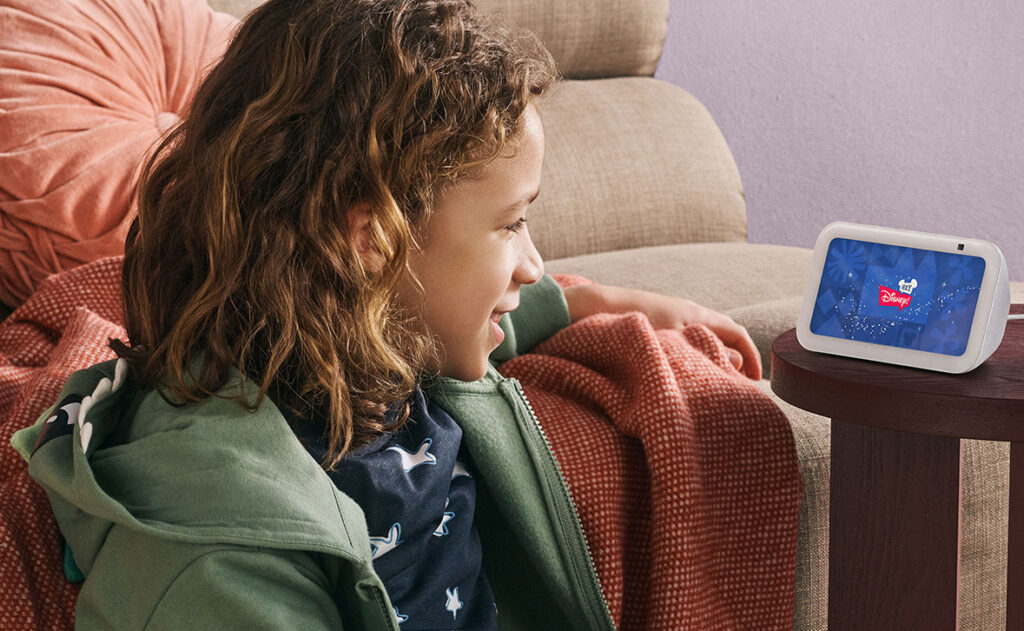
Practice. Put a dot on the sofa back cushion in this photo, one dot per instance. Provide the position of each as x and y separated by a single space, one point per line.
632 162
593 38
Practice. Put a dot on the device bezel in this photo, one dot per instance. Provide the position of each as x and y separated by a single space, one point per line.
892 354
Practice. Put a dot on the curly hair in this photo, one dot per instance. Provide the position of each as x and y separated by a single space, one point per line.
240 256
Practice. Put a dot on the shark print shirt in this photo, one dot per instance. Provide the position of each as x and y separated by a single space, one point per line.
417 489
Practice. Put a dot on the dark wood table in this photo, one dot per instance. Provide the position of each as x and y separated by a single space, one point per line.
895 479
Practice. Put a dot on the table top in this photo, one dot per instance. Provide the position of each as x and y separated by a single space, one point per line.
986 403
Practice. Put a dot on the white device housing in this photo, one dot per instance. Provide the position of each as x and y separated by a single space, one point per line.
989 314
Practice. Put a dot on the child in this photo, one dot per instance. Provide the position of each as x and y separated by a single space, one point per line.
338 221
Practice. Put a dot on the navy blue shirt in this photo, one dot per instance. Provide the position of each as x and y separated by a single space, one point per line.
417 490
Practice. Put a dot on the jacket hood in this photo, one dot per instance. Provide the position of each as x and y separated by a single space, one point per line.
208 472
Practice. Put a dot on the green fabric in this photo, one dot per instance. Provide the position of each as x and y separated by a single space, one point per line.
517 466
71 571
148 513
210 516
221 583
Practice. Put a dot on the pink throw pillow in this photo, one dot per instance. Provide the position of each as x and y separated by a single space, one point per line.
86 89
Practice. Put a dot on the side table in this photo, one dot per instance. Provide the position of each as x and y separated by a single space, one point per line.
895 477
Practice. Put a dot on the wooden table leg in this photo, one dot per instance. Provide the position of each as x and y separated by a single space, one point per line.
893 530
1015 541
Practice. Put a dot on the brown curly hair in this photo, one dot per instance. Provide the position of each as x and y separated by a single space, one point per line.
240 256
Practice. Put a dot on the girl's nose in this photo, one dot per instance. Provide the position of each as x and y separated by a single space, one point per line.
531 265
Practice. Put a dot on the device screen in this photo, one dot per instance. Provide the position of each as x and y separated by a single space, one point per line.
898 296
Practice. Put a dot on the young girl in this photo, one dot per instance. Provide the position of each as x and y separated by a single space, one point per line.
305 431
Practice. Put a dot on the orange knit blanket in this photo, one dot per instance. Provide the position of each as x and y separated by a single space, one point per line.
684 473
62 327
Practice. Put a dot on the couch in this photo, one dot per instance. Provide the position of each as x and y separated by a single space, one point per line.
639 189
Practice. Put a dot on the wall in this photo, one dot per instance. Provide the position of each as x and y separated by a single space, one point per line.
897 113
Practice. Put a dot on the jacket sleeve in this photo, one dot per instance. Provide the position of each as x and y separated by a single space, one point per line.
247 589
542 312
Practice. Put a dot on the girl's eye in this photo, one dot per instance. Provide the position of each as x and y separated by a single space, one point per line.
517 226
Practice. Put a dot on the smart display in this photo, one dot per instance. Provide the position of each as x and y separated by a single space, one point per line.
903 297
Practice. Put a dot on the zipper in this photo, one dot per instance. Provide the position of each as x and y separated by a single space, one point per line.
568 514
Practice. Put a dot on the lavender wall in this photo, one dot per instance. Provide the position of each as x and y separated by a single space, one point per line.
890 112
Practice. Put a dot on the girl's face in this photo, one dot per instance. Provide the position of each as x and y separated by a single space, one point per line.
476 256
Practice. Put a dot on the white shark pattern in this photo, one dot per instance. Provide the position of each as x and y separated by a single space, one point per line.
452 604
460 469
442 528
379 546
412 460
120 372
84 408
102 390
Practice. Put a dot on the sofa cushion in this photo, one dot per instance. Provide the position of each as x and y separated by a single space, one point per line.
632 162
85 90
594 38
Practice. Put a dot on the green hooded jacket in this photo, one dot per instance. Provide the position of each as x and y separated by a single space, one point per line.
208 516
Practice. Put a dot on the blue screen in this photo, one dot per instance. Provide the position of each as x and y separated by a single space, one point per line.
898 296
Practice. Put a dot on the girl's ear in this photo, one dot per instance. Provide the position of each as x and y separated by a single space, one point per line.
359 233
